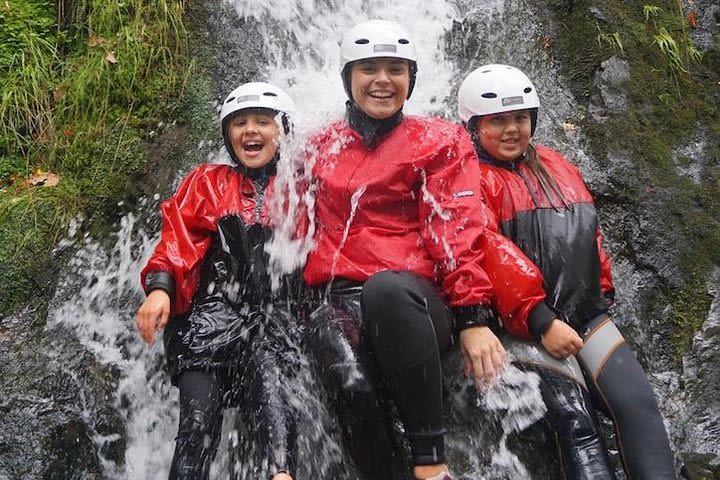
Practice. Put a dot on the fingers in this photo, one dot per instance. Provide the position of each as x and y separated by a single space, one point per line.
153 315
146 322
484 355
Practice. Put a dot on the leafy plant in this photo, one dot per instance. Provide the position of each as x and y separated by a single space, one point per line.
678 51
611 39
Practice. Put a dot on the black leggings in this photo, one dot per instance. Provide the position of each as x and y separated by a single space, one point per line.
409 326
581 449
201 412
622 391
384 336
200 423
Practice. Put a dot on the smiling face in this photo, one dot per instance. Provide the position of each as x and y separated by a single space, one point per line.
254 137
505 136
380 85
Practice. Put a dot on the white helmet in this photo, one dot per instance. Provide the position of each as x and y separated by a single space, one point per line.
255 95
496 88
375 39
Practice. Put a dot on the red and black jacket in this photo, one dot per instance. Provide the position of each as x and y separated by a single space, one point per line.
212 238
410 202
558 233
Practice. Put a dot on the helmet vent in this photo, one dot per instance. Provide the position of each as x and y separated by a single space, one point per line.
229 99
362 41
270 94
404 41
489 95
248 98
527 90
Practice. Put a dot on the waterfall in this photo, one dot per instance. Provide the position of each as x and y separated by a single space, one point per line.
97 299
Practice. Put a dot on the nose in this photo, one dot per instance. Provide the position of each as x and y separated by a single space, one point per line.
251 126
383 76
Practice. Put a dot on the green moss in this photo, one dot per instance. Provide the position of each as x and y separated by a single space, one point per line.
672 95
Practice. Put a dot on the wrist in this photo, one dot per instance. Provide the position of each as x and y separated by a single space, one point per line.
472 316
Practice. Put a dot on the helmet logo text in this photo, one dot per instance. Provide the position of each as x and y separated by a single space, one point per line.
512 101
384 47
248 98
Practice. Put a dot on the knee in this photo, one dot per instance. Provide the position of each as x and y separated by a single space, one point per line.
383 288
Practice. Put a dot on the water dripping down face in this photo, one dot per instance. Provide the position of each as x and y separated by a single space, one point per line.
380 85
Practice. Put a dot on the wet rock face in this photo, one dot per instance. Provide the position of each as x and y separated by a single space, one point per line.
609 82
701 415
49 393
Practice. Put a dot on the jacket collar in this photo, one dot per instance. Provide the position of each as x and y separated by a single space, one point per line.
370 129
485 157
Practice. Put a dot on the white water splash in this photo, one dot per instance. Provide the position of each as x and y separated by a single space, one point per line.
97 301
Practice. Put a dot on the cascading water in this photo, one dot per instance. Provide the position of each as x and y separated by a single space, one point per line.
100 293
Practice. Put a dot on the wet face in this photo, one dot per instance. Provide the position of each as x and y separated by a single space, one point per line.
505 136
254 135
380 85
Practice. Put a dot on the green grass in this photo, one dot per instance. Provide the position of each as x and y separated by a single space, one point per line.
78 99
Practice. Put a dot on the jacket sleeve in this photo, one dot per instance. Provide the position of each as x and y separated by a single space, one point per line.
452 224
517 282
188 222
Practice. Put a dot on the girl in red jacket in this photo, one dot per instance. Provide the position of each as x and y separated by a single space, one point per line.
228 338
541 202
397 214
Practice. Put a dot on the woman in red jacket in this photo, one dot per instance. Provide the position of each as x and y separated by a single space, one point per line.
228 337
397 214
541 202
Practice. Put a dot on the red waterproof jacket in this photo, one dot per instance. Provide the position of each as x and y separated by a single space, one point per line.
410 203
559 233
214 205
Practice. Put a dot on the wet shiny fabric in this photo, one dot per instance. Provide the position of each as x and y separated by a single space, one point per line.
349 374
562 243
581 449
241 335
257 385
231 302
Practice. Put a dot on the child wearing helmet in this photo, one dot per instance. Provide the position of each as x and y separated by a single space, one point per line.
227 336
398 237
540 201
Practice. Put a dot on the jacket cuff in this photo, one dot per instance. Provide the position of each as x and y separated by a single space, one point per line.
539 320
474 316
160 280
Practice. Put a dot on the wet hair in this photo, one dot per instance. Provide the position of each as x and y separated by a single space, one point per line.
547 182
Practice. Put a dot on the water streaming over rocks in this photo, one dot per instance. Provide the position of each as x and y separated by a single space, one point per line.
83 397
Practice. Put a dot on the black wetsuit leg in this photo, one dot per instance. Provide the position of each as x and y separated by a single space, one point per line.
199 427
409 326
626 396
336 344
266 383
582 451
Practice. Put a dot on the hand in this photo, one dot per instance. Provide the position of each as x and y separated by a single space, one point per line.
484 354
153 315
560 340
